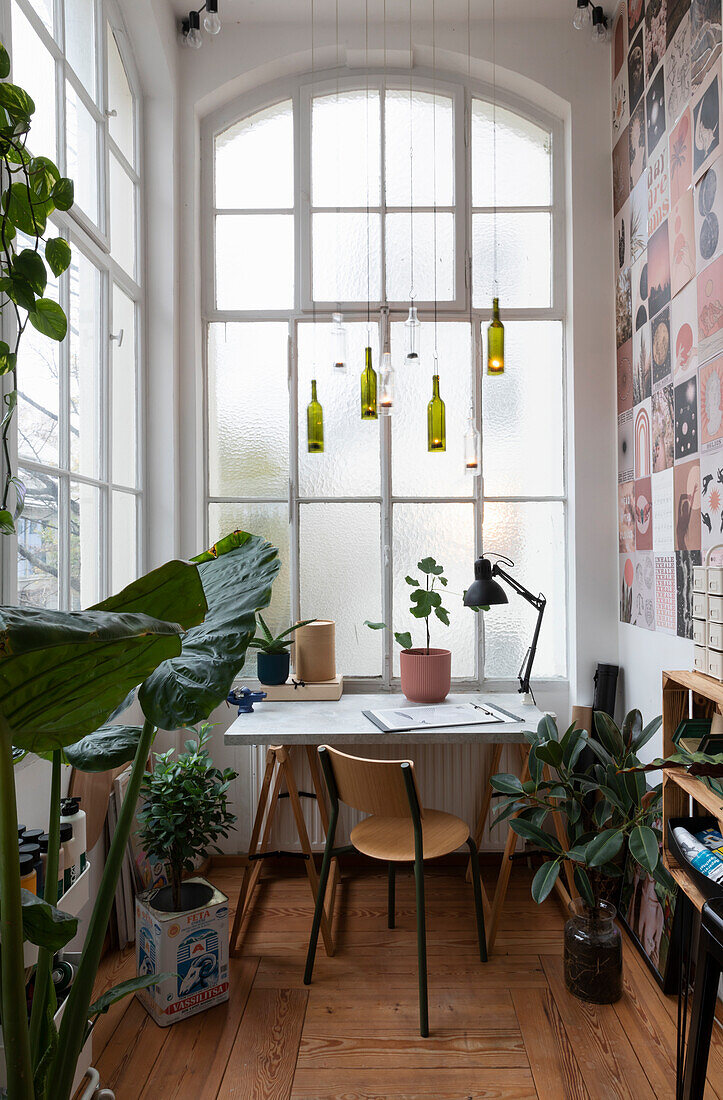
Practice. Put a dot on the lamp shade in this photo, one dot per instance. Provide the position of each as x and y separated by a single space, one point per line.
484 590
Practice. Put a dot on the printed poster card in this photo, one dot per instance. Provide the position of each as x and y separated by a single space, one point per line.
639 287
660 347
662 491
642 441
685 560
643 613
677 71
639 219
655 110
678 11
666 603
643 514
619 39
709 214
658 270
705 37
621 171
636 136
655 35
622 238
686 420
642 380
710 311
680 146
706 125
663 424
625 377
682 242
684 331
711 499
626 516
620 103
626 469
711 405
627 577
686 502
636 11
623 308
636 70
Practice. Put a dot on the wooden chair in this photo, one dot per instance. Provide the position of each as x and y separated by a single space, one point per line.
399 831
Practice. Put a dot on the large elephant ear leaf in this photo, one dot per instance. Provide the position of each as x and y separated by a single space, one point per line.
107 748
173 591
237 575
62 673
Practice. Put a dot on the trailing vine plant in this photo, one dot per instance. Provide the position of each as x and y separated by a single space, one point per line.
32 188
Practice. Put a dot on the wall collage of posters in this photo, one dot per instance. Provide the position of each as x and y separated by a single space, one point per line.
667 160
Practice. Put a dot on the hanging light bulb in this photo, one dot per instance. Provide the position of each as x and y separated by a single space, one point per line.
582 15
211 21
338 339
412 327
386 381
472 446
314 423
436 417
368 388
496 341
193 34
599 25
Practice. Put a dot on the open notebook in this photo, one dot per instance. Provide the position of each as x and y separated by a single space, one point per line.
403 718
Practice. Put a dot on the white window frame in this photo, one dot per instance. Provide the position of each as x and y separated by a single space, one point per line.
300 92
93 241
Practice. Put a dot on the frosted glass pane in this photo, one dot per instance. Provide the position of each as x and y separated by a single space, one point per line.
524 260
38 394
38 542
34 70
80 40
524 162
248 409
340 250
255 160
120 100
122 216
349 464
416 472
81 150
533 535
271 522
432 124
341 579
84 341
44 9
123 557
255 261
124 385
345 149
399 253
522 413
444 532
84 545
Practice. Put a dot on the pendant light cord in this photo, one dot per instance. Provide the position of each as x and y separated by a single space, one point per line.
338 174
434 176
411 165
313 295
494 148
369 258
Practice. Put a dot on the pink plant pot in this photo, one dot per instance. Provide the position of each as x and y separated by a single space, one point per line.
426 674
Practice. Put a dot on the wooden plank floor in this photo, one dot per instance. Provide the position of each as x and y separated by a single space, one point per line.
507 1029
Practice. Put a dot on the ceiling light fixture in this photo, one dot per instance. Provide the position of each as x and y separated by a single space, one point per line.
191 27
591 15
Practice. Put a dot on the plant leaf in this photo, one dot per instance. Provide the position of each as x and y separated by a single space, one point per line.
645 735
124 989
583 884
63 194
632 727
604 847
644 847
58 255
529 831
44 925
375 626
404 639
545 878
48 317
609 734
4 63
429 566
109 747
506 783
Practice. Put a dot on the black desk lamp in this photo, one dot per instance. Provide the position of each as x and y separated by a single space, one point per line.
485 591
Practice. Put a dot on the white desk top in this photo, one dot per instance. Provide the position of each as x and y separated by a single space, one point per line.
342 722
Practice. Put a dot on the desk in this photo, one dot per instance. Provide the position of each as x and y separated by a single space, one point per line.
284 726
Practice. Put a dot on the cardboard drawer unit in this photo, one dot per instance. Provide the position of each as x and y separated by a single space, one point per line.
700 658
700 632
700 578
715 636
715 664
700 605
715 609
715 580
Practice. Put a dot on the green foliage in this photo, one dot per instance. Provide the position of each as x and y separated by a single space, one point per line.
266 641
425 601
44 925
33 189
601 794
185 808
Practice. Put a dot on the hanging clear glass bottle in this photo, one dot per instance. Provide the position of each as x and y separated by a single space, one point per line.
496 341
412 326
368 388
314 423
436 420
338 341
472 447
386 381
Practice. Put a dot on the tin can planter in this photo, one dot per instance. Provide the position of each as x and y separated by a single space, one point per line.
191 945
593 953
426 674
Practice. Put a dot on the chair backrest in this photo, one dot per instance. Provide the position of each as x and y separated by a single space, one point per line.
372 786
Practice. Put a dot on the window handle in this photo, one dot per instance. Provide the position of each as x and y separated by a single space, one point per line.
111 112
118 336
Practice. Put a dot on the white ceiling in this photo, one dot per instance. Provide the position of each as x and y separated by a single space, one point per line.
262 11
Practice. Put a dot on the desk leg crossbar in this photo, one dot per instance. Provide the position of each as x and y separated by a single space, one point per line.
279 770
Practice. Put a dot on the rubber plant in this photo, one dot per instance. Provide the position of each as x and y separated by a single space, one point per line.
32 190
176 638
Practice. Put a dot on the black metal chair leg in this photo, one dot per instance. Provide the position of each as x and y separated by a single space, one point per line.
421 948
319 907
391 882
478 906
705 993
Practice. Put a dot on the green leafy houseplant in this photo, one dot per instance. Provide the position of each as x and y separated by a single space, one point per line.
32 189
266 642
185 809
425 600
65 676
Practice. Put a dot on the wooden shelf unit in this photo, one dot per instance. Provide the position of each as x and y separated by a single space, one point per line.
687 694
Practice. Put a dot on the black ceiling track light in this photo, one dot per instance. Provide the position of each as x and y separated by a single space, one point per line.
191 27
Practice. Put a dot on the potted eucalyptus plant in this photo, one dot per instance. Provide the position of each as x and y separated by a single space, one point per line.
608 810
272 659
426 672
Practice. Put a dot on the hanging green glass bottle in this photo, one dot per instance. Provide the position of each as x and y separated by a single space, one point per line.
368 389
314 423
436 420
496 341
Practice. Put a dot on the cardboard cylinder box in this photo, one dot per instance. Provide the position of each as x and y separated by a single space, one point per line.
315 652
192 947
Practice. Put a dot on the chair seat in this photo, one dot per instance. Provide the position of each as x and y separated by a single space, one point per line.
392 838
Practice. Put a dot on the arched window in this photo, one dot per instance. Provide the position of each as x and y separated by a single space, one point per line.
314 205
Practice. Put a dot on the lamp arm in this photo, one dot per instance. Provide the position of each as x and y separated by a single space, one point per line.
539 603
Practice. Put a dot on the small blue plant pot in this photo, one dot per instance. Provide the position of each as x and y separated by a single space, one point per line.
272 668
